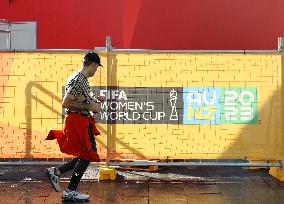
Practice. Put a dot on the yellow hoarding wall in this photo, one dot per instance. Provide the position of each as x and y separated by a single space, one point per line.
167 105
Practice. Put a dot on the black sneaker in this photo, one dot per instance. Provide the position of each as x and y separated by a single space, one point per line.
54 180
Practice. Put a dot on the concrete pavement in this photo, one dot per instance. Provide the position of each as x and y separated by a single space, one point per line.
198 185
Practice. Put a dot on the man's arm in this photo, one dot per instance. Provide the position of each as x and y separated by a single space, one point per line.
70 103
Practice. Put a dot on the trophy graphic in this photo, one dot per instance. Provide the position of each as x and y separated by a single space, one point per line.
173 100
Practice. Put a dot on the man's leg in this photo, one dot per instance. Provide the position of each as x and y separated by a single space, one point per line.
78 172
53 173
69 165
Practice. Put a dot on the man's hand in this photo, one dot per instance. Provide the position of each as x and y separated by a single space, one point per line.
101 99
95 107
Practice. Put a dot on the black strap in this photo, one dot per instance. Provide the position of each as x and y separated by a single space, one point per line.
91 137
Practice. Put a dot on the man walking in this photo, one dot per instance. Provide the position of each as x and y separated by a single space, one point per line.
77 137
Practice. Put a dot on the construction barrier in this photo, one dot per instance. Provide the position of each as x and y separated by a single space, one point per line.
161 105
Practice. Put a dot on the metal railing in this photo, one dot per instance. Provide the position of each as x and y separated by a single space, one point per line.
150 163
109 48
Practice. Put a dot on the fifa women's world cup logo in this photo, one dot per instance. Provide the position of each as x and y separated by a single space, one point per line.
173 101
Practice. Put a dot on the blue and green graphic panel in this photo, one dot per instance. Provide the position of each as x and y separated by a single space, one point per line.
218 105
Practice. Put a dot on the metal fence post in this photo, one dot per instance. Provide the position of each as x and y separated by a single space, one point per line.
280 43
8 30
108 121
